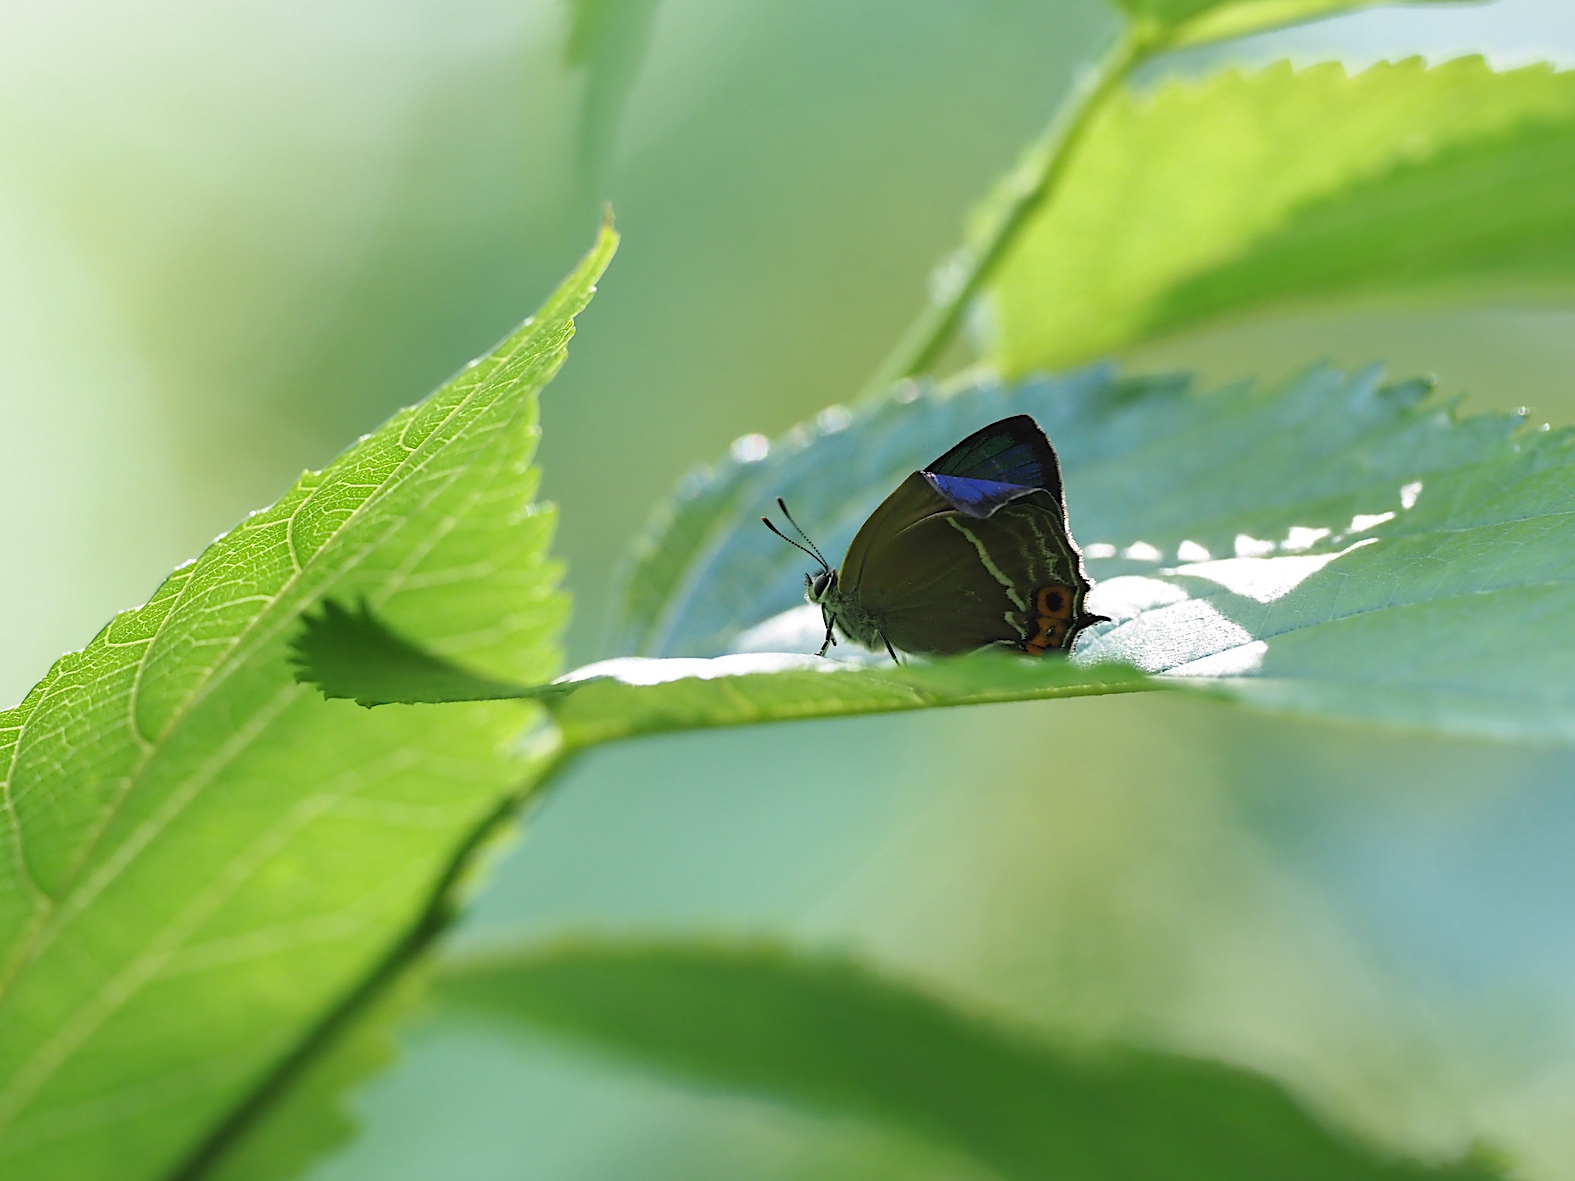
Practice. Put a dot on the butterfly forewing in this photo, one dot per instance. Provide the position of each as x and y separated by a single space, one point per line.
1011 451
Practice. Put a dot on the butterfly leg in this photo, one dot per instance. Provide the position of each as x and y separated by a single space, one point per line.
830 638
890 652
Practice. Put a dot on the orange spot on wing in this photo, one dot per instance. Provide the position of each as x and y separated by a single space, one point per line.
1052 616
1054 603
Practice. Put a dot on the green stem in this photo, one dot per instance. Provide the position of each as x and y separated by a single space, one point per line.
959 278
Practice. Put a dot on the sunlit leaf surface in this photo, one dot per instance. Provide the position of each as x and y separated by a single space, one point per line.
827 1034
1243 192
203 857
1333 546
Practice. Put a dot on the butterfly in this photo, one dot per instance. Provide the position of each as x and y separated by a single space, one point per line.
972 551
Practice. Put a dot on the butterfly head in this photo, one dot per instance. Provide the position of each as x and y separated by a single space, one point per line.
820 588
817 586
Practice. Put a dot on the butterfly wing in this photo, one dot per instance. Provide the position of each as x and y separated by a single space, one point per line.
991 467
914 502
975 474
910 578
952 564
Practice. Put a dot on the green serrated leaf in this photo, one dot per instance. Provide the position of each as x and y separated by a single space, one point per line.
1334 546
1245 192
827 1034
204 857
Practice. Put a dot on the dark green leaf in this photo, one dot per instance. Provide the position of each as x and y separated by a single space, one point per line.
625 698
350 654
830 1035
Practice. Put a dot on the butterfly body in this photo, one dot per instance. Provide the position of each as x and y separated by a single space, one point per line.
970 552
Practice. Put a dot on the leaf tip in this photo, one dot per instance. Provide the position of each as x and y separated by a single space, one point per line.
327 640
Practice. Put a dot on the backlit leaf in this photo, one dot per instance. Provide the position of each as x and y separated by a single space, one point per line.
204 858
1280 189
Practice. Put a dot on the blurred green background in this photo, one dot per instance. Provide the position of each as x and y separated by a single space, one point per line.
235 236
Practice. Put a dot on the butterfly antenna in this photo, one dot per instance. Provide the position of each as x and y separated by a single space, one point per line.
782 504
766 521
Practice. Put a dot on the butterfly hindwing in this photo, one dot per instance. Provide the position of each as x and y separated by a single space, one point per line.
910 578
949 582
914 500
970 552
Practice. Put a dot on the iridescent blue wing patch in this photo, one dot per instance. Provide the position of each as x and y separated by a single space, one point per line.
976 498
1011 451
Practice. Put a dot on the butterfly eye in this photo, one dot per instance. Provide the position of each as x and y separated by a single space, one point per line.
817 585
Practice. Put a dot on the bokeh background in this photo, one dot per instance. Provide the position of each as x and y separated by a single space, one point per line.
234 236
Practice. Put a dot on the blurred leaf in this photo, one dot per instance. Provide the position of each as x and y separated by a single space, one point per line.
1220 20
830 1035
206 859
1216 20
609 38
1206 200
1333 546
